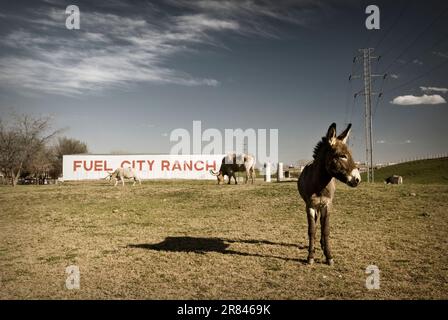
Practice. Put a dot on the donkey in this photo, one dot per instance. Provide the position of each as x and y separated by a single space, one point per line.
316 184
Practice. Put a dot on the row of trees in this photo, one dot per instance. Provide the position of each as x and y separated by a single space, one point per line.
30 148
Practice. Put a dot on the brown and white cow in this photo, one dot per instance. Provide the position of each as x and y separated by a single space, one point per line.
233 163
394 180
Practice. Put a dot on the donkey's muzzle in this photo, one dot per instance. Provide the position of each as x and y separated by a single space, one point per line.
354 179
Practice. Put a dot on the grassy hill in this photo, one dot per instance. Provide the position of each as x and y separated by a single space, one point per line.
421 171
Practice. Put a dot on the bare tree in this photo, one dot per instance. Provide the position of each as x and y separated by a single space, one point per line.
23 138
39 166
63 147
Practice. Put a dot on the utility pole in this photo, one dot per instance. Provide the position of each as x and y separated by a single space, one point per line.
368 110
366 54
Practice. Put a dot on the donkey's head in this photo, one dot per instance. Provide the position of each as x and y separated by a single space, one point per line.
338 158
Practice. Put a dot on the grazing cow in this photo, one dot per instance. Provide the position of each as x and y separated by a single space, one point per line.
332 159
124 173
394 180
233 163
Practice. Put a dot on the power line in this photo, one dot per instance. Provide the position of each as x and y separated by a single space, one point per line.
417 38
397 19
434 45
348 94
380 95
438 66
347 104
352 109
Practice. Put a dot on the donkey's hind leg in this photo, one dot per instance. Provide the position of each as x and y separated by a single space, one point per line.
311 214
325 234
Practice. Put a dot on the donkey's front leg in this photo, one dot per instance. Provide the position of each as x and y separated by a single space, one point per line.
325 234
311 216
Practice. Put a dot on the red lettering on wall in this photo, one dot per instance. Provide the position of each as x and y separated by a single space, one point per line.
150 163
90 167
176 166
140 164
165 165
209 166
98 165
76 164
105 166
196 165
173 165
123 162
188 165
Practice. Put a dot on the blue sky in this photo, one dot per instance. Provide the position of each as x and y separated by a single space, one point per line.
136 70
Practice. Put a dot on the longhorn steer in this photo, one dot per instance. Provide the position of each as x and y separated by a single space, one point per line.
233 163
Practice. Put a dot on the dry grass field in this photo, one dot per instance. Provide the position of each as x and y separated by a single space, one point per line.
197 240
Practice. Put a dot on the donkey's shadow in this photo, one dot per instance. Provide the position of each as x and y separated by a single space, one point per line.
220 245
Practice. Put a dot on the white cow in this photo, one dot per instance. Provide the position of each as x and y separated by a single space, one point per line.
122 173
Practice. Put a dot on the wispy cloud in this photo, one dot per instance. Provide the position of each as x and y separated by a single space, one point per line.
440 54
113 50
393 142
434 89
417 62
411 100
253 13
120 51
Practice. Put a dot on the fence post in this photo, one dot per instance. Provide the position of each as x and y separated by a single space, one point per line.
267 172
280 174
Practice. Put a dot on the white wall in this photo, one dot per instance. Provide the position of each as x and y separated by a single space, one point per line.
90 167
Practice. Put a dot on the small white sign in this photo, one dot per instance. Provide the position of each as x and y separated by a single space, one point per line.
373 278
74 278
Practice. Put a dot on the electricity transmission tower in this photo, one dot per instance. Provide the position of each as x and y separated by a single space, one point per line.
365 56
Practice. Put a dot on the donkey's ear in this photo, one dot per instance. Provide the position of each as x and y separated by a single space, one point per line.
331 134
344 135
